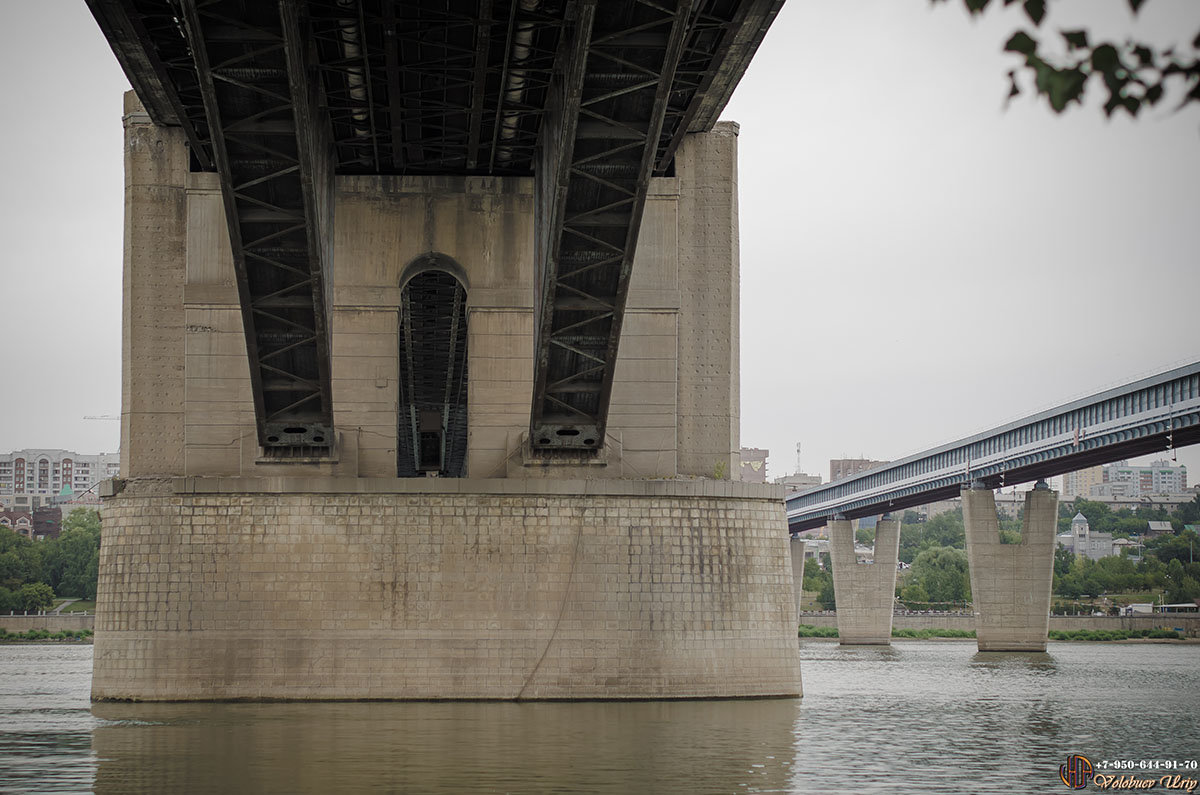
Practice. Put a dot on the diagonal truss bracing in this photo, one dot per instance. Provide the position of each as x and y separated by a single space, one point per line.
591 97
600 145
260 91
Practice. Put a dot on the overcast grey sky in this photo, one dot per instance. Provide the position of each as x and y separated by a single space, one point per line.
917 263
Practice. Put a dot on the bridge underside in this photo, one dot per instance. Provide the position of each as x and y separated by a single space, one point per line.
420 219
279 98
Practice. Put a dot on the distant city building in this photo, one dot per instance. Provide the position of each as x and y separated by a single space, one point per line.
754 465
1128 546
1079 484
38 478
1167 502
36 525
799 481
845 467
1082 541
1156 529
1122 480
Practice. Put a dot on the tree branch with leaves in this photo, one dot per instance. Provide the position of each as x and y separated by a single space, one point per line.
1135 74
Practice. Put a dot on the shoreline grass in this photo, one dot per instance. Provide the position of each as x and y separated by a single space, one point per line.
45 635
1089 635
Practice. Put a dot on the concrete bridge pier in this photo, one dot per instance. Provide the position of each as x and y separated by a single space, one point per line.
798 545
1010 583
865 592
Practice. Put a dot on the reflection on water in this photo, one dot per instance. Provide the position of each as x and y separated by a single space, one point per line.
916 717
445 747
1030 661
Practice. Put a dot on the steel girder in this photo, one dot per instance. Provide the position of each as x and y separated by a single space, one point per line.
261 95
434 87
1151 415
432 424
147 38
600 145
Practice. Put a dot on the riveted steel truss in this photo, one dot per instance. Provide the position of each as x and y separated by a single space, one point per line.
260 91
600 146
589 96
148 40
1153 414
432 425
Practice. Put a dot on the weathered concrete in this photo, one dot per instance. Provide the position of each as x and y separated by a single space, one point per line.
1011 583
797 550
444 589
865 592
709 399
675 394
152 320
226 573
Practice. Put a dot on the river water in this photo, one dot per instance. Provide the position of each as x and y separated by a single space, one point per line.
918 717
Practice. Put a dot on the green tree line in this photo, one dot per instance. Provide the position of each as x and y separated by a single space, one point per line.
33 572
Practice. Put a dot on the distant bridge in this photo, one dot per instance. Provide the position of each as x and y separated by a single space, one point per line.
1146 416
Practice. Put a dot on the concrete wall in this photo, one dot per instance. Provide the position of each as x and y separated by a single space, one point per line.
417 589
152 319
865 592
1011 583
797 548
256 578
187 399
709 321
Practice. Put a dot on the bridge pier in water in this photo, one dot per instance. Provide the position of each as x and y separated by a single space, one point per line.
234 571
865 593
798 547
1011 583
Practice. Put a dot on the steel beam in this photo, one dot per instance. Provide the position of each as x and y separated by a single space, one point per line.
145 39
1147 416
271 146
617 65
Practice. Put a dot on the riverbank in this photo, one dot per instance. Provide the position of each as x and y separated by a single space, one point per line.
1186 624
47 622
1155 635
45 636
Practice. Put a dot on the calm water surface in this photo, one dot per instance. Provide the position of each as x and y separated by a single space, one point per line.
917 717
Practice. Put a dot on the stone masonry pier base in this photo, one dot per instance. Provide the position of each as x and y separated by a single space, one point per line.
864 593
361 588
1010 583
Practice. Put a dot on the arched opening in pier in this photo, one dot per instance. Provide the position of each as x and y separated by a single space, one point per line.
431 434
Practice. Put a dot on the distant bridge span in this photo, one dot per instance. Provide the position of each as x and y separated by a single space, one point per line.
1146 416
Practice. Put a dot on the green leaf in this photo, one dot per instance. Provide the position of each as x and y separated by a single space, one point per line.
1135 5
1013 88
1035 10
1021 42
1076 39
1154 93
1104 58
1196 41
1132 104
1064 87
976 6
1144 55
